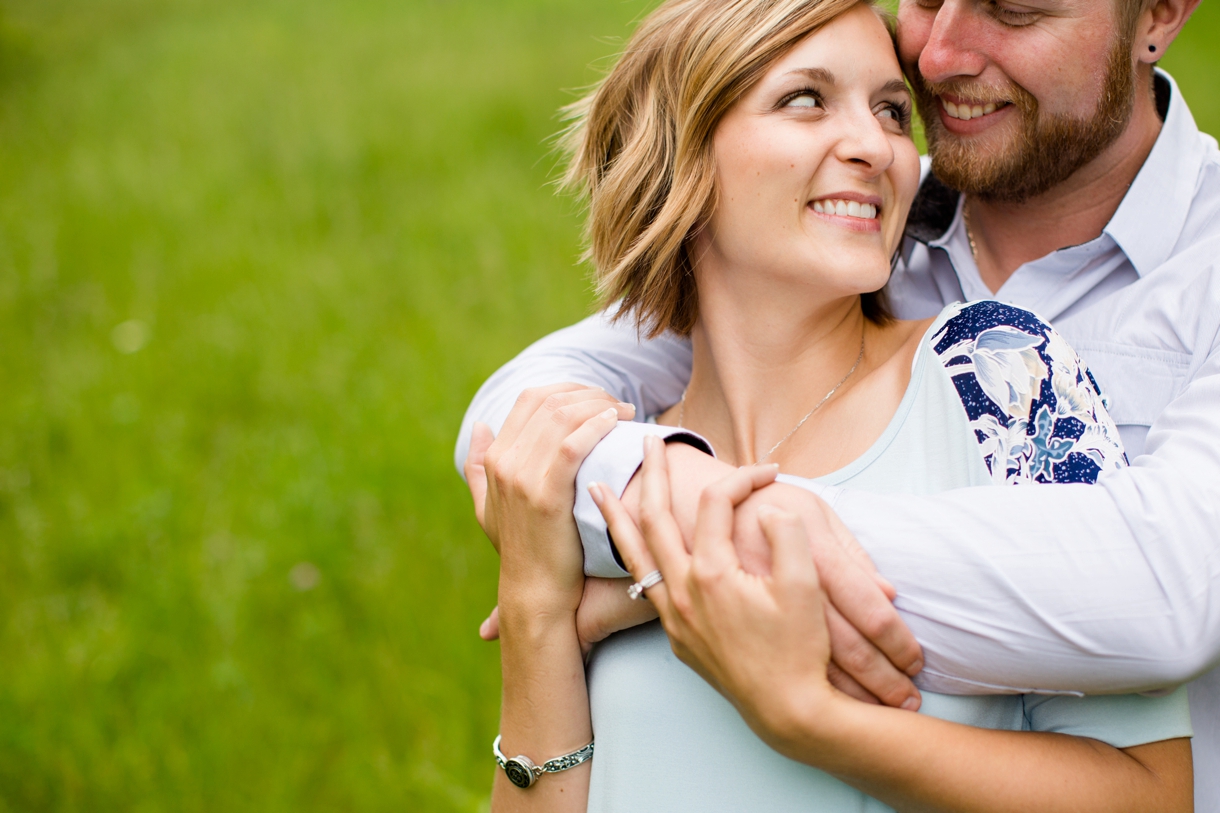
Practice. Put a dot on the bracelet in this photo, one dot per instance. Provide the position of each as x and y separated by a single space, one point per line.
522 771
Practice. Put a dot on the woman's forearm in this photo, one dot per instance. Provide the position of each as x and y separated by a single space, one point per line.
545 709
915 762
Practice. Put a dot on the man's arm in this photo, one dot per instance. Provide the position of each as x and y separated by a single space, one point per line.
651 374
1109 587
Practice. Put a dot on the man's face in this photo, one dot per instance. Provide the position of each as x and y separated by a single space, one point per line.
1016 96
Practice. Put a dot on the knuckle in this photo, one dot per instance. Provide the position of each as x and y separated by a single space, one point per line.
856 658
570 451
553 403
878 624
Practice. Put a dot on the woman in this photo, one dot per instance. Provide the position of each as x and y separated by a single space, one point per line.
749 168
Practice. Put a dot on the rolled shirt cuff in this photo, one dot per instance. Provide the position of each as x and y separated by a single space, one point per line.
614 462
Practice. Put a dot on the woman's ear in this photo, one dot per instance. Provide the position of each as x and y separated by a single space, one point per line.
1159 26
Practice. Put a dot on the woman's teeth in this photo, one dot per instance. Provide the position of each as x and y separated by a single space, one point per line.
965 112
846 208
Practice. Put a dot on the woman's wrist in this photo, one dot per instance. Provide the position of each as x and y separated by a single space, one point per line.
810 725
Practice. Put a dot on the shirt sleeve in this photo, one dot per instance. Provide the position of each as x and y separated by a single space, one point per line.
1120 720
1095 588
598 352
649 373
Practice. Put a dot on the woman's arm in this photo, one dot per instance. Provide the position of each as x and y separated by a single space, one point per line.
527 473
762 641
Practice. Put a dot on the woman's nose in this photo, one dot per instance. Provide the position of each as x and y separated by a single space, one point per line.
952 47
865 143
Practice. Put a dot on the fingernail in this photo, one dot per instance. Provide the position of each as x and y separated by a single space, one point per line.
610 413
650 443
627 406
911 703
595 491
916 668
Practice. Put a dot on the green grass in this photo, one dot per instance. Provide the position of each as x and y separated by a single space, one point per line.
237 570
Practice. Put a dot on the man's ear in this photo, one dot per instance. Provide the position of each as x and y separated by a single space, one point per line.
1159 26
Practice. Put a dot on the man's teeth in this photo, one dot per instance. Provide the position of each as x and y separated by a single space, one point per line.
965 112
846 208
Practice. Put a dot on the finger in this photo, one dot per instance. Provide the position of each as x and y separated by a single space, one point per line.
856 656
856 594
476 473
576 447
540 444
631 545
847 684
791 564
489 630
712 545
660 530
605 608
527 404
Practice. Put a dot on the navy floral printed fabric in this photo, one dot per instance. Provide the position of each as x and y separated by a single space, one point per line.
1035 409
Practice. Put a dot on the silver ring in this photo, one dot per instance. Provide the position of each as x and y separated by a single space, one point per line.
650 580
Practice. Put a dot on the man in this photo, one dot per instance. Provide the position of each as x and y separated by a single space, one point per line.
1084 192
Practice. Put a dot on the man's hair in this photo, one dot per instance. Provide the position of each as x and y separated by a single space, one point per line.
640 145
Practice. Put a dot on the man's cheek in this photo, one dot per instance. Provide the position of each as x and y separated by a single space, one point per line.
914 29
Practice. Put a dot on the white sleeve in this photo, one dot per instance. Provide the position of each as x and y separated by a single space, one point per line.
1096 588
651 374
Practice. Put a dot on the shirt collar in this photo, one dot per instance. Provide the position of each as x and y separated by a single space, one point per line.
1151 216
1153 212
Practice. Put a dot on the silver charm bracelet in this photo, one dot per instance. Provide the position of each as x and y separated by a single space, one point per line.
522 771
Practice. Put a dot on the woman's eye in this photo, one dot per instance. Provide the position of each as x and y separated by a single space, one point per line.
804 100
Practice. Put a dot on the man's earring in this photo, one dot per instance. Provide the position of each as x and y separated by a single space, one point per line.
1152 48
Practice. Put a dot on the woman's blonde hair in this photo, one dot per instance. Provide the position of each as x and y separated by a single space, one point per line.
640 144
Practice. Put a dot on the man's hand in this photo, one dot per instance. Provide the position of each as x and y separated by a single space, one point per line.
604 610
874 655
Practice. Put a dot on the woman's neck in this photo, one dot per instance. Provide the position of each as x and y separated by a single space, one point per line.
764 358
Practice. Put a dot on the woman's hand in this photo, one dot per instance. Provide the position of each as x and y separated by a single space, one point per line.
523 485
761 640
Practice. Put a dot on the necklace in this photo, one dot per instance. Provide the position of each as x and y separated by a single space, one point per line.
808 415
974 250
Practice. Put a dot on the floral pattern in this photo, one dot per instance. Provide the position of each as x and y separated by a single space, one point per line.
1035 408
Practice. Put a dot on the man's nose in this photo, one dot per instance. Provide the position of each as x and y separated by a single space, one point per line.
954 47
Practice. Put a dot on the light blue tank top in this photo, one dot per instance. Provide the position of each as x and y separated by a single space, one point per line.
666 741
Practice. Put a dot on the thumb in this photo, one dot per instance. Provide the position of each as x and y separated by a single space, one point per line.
791 562
489 630
481 439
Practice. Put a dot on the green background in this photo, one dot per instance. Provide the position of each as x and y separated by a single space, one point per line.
255 257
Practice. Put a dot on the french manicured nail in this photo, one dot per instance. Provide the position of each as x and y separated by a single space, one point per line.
610 413
595 491
650 443
626 406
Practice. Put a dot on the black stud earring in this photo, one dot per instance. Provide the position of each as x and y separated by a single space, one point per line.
1152 48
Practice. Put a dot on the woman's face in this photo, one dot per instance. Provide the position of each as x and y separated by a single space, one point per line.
815 167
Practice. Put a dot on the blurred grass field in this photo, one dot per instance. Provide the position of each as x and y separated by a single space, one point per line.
255 257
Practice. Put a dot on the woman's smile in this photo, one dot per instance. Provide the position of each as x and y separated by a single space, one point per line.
849 210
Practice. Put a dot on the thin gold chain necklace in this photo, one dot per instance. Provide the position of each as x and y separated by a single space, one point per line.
974 250
801 422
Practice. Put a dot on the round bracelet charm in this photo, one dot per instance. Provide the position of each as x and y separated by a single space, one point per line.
520 771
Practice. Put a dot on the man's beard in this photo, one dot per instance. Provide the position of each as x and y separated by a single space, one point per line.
1046 150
